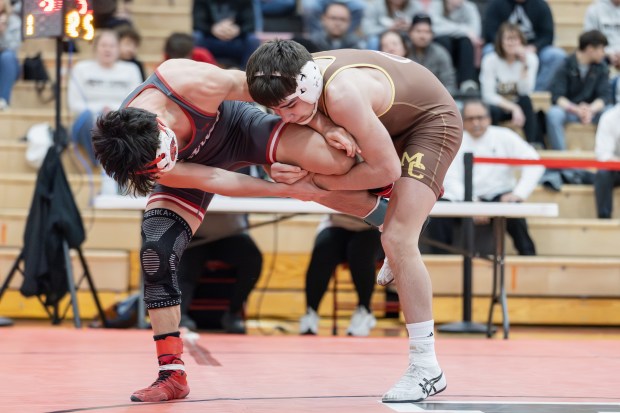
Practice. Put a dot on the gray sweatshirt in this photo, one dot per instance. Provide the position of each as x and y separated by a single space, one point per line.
437 59
605 17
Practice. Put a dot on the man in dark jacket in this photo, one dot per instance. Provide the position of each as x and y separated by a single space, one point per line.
535 20
580 89
226 28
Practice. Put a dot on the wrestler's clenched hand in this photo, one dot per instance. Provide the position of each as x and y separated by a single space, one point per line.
339 138
286 174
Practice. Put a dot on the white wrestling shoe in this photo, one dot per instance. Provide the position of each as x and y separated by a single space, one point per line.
385 276
309 323
417 384
362 322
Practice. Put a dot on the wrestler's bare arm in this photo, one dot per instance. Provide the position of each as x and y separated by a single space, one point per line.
223 182
203 84
207 86
227 183
354 109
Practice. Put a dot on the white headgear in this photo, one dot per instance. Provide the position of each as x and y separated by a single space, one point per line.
309 84
167 152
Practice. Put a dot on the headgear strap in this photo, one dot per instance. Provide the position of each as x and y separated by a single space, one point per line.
309 83
167 152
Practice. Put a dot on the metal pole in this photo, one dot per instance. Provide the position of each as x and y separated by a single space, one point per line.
468 232
58 136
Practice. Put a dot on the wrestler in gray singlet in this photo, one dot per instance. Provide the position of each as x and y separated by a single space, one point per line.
239 134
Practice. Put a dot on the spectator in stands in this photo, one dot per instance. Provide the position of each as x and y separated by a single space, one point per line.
221 238
535 20
129 42
456 26
342 238
313 9
110 14
10 41
226 28
336 21
431 55
181 46
607 148
98 86
491 182
604 16
383 15
507 78
580 90
395 43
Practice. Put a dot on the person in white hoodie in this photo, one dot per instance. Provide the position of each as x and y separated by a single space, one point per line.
604 16
507 78
491 182
99 85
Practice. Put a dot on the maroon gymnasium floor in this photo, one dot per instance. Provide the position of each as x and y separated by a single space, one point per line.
60 369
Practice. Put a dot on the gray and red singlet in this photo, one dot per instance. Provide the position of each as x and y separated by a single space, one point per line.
238 135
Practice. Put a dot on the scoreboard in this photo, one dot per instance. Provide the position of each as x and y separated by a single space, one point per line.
58 18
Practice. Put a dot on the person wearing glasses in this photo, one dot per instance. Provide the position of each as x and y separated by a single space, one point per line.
335 34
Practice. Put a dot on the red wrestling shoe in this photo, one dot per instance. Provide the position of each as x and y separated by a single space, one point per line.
172 381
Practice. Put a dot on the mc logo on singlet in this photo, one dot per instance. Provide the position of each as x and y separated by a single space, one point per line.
414 161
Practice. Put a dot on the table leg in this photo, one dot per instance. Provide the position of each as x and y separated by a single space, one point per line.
499 265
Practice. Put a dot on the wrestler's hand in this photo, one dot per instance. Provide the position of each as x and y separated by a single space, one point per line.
306 190
286 174
339 138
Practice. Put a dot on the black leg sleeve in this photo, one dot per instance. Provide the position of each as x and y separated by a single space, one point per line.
165 236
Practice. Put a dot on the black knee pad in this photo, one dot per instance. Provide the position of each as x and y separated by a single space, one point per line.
165 236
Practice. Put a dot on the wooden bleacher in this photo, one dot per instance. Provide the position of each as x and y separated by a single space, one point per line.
575 280
568 16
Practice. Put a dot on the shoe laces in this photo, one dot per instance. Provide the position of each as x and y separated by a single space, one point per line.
417 376
162 377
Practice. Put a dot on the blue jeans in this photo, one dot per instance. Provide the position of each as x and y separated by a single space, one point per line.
238 49
556 119
9 72
550 58
313 9
80 133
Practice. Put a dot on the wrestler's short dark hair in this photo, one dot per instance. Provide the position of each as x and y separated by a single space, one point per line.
272 70
125 141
